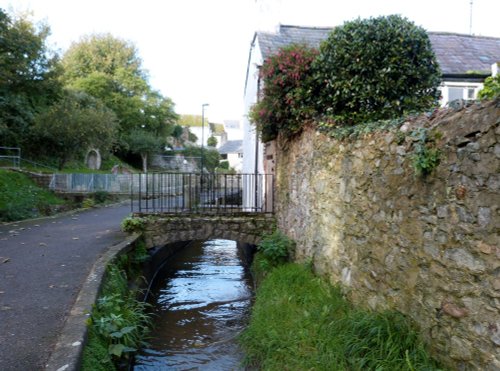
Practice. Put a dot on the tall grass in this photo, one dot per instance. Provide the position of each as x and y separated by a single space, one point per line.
300 322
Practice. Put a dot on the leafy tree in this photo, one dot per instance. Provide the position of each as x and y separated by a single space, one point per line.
177 131
192 137
286 102
28 76
110 69
190 120
144 143
211 156
491 88
377 68
212 141
159 116
72 125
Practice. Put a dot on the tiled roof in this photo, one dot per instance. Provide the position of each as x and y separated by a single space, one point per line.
456 54
460 54
231 146
270 43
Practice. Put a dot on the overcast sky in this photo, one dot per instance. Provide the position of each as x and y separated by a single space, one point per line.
196 51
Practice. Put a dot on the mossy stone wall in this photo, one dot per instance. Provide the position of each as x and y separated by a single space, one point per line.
426 246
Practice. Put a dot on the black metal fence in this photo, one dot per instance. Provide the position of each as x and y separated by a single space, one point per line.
197 193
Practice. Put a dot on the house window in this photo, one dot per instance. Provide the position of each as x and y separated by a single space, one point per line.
455 93
240 155
471 93
223 156
451 91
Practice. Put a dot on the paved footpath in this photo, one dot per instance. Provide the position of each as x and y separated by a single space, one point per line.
43 264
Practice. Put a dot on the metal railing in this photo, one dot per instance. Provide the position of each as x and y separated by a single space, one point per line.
207 193
10 157
85 183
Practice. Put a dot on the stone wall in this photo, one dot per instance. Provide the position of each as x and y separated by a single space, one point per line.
428 247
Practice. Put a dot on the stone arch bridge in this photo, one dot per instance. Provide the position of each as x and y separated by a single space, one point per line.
160 230
185 207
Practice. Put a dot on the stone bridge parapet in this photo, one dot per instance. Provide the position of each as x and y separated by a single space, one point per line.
159 230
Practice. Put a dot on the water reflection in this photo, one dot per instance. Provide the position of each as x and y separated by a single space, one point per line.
202 301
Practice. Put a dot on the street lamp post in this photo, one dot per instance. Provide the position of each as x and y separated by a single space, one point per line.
202 132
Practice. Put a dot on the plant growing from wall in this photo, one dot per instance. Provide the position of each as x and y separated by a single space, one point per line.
286 101
373 69
426 156
133 224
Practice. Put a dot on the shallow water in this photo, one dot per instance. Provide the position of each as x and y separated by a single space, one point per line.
201 299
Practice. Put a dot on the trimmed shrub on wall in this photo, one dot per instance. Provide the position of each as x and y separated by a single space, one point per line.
286 102
373 69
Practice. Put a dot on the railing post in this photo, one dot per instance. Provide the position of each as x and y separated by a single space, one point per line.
131 185
140 192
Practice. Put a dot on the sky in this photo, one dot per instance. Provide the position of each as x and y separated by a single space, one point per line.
196 51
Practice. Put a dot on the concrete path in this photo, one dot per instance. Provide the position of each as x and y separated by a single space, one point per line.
43 264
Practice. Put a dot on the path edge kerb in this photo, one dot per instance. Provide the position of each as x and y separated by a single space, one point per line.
68 351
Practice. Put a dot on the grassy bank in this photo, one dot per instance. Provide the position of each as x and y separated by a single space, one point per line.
119 321
300 322
21 198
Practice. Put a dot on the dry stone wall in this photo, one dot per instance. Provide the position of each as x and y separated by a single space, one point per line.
428 247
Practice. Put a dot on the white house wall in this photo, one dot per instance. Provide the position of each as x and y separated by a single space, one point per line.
249 134
234 161
250 98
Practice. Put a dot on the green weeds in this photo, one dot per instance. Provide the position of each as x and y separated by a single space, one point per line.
300 322
274 250
133 224
426 156
119 322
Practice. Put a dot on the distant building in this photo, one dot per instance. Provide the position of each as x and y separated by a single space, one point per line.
233 129
232 151
227 130
218 132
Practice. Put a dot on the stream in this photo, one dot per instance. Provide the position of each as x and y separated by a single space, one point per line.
202 301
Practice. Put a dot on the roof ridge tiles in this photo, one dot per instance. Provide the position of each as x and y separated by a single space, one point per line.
445 33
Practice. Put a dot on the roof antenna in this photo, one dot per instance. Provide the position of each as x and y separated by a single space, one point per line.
470 22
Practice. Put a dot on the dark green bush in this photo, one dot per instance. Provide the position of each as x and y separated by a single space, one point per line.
275 248
375 69
224 165
286 103
101 196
